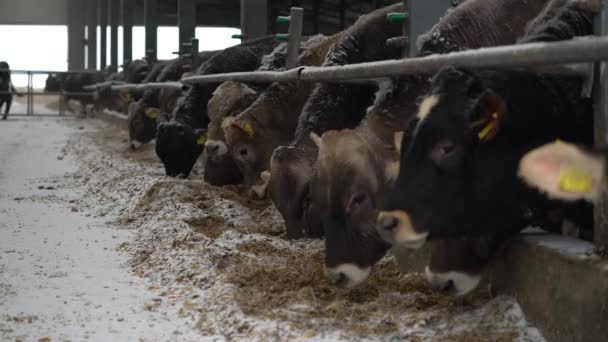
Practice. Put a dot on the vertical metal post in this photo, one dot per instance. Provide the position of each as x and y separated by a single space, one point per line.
316 6
92 37
600 234
423 15
29 110
76 23
151 27
296 19
127 30
114 13
254 18
103 26
186 16
194 46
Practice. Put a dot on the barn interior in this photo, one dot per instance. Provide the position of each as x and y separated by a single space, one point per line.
213 262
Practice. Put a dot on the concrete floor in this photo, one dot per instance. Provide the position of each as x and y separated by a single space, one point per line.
60 274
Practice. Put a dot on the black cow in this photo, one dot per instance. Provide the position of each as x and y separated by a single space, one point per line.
144 112
72 85
180 135
459 163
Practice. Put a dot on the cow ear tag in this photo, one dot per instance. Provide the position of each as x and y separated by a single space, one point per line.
490 129
152 113
574 180
201 140
489 102
249 130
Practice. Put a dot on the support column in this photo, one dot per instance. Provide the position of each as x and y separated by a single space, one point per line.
127 30
103 41
92 37
76 40
151 27
254 18
186 16
600 233
114 20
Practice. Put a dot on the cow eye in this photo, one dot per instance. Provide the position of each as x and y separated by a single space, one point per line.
442 150
243 152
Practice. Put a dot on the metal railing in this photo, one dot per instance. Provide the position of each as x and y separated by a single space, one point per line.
31 92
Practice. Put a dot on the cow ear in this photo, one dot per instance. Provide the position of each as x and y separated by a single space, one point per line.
244 126
564 171
201 136
163 118
125 95
488 115
317 140
397 140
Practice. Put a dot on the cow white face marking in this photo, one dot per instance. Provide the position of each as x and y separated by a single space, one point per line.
426 106
347 275
452 282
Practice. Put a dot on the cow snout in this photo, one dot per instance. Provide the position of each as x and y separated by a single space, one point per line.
396 228
388 223
453 283
212 149
346 275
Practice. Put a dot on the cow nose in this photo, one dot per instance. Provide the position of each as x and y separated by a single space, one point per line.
445 287
212 149
338 279
388 222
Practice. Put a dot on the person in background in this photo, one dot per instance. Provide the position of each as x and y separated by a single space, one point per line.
7 90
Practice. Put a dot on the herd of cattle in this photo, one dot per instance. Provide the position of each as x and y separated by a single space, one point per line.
408 160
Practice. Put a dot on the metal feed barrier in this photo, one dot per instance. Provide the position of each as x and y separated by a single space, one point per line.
30 92
573 57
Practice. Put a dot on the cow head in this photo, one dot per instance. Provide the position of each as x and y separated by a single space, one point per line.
291 169
565 171
352 172
229 99
459 161
142 123
178 146
455 266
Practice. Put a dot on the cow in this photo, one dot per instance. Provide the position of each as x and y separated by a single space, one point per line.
272 119
355 168
71 85
230 99
458 172
565 171
178 138
330 106
142 114
7 90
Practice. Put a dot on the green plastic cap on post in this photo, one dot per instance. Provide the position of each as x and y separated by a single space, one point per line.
283 20
282 36
237 36
397 18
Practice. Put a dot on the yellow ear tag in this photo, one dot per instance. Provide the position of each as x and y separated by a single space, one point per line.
201 140
152 113
574 180
489 127
129 97
249 130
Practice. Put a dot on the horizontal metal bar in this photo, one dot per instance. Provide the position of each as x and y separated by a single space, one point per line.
540 57
523 55
255 76
103 85
49 93
151 85
17 71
